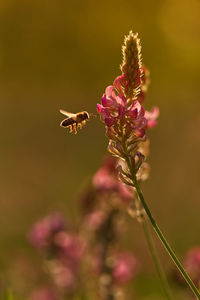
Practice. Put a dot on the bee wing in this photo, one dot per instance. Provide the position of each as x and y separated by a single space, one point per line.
67 114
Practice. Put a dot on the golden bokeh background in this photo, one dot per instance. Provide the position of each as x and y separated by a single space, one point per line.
62 54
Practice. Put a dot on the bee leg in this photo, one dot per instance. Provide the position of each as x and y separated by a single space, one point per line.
84 122
80 125
71 128
75 128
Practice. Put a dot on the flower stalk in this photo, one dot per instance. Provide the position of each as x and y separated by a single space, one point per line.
156 260
164 241
158 231
147 234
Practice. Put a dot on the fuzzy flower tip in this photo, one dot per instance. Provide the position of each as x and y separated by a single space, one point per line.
131 65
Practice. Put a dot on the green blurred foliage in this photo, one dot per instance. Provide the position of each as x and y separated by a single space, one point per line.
62 54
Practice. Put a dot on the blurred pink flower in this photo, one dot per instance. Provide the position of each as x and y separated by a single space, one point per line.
192 264
95 219
71 247
125 267
64 277
106 180
43 231
44 293
151 117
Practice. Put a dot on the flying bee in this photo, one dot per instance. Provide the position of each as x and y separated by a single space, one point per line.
74 121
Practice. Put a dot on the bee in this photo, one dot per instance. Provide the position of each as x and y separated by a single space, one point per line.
74 121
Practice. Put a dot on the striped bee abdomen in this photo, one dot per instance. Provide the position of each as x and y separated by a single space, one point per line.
67 122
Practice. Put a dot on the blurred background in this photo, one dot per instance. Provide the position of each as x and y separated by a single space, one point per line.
62 54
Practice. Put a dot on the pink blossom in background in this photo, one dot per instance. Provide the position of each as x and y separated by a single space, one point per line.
70 246
192 264
152 116
95 219
106 180
43 231
45 293
125 267
64 276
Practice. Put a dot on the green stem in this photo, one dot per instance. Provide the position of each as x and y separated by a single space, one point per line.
162 238
152 249
156 228
156 260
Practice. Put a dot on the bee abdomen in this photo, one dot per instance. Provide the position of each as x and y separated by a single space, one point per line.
67 122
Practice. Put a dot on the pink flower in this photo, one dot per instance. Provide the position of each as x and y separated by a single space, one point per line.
95 219
70 246
70 249
192 264
43 231
116 111
112 107
125 267
151 117
135 115
64 277
120 83
106 180
45 293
